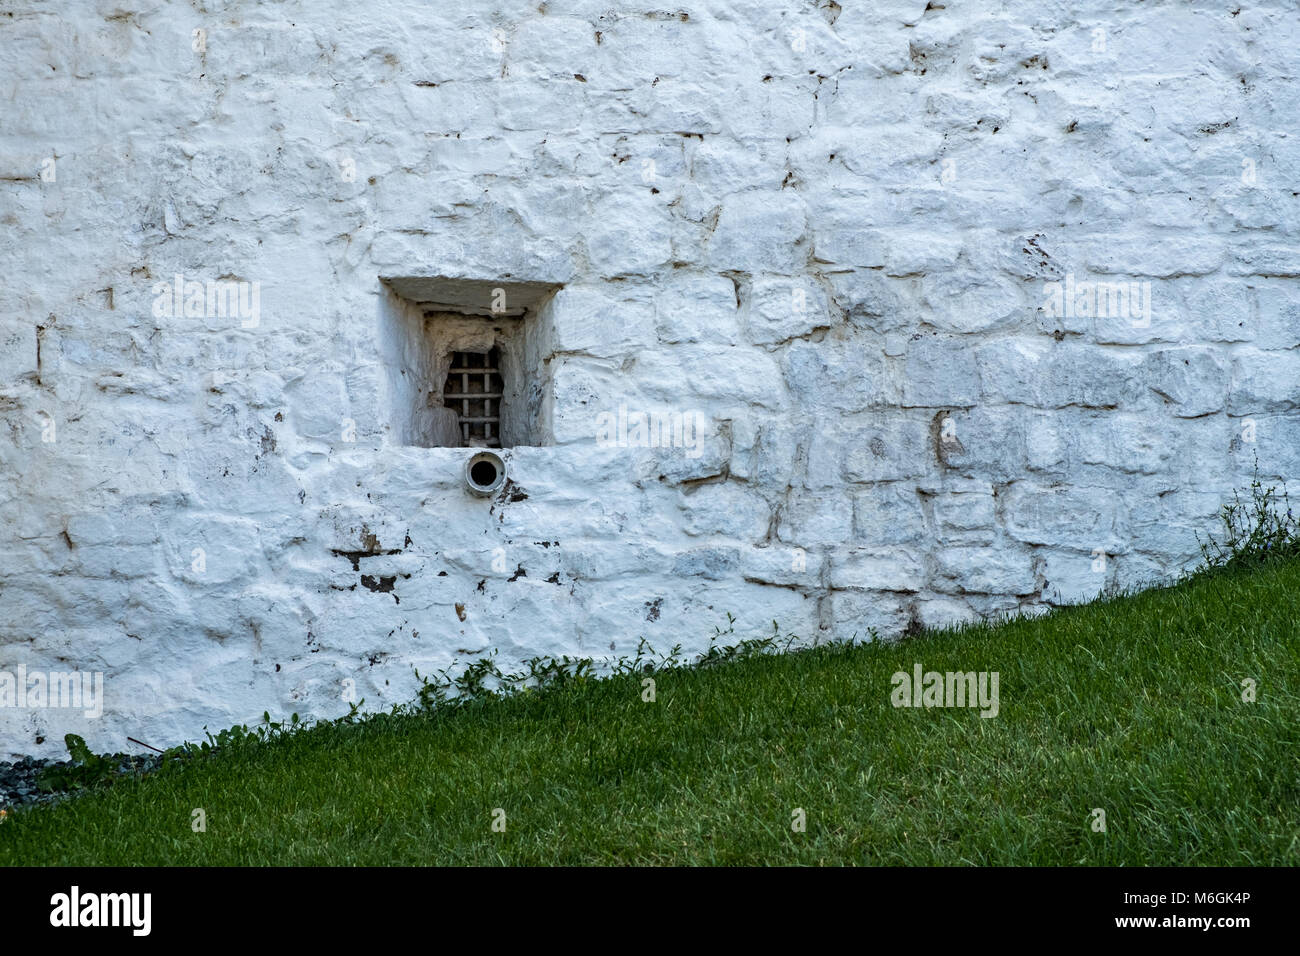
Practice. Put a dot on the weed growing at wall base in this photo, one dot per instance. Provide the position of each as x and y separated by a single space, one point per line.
1261 530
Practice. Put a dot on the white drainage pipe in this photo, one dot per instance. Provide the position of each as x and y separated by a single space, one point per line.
485 473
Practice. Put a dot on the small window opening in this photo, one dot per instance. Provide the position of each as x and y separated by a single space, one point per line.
474 390
467 362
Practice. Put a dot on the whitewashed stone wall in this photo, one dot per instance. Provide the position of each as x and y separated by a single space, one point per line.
829 229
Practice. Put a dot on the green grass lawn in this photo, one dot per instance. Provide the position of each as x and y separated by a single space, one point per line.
1132 705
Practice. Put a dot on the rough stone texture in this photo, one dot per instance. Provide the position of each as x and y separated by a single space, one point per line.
829 228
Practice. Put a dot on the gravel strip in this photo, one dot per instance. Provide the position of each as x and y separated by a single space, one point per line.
18 781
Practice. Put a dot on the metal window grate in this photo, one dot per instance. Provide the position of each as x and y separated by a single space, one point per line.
473 391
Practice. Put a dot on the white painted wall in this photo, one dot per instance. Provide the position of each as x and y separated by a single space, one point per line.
923 442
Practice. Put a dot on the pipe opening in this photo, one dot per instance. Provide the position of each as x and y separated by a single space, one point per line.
485 473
